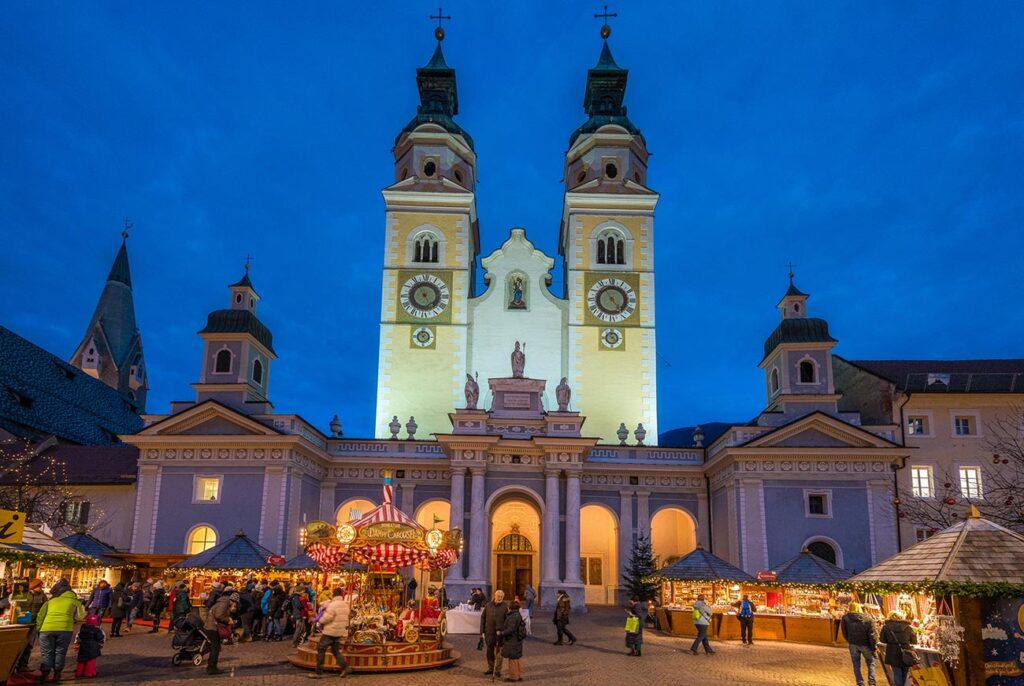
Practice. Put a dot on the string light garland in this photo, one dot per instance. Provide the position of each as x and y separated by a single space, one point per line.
55 560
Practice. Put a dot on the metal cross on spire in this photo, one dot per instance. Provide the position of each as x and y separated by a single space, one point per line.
790 265
606 30
127 227
439 31
248 262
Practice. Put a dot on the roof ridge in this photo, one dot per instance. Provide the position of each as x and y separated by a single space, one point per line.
957 544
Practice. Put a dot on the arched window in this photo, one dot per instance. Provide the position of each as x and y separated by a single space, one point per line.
425 248
611 247
200 538
823 550
223 363
257 371
775 380
808 372
515 543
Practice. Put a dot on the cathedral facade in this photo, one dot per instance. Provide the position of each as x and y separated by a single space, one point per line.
526 414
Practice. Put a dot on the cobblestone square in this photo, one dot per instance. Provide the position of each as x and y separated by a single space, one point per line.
599 657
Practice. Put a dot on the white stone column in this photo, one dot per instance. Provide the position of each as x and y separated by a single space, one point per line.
703 520
478 526
643 514
458 515
551 539
408 502
147 503
572 528
328 507
625 532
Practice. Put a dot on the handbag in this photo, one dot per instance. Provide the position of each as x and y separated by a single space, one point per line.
480 643
632 625
910 657
224 631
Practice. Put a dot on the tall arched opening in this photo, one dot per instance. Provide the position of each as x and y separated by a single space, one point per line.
515 545
352 509
673 534
599 554
428 515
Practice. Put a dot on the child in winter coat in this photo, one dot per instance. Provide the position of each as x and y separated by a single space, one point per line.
90 638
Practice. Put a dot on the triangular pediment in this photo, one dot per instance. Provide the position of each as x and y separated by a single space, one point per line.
819 430
209 418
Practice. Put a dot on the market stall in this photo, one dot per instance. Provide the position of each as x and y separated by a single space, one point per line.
235 560
112 569
385 633
803 589
41 555
963 590
701 573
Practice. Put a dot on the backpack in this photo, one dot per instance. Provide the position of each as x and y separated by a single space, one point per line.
696 614
521 630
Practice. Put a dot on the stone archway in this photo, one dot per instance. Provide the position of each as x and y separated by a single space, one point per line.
354 508
514 544
673 534
599 554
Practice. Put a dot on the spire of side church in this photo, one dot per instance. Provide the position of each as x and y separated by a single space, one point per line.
111 349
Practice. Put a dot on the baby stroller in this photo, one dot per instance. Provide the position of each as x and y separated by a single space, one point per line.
189 640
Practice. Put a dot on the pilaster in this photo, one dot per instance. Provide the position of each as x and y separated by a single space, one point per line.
478 526
549 581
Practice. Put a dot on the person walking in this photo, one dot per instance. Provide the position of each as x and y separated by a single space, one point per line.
898 637
746 616
246 612
99 599
218 621
138 599
563 606
529 595
157 603
119 601
513 633
859 631
636 618
90 639
701 620
299 606
273 599
181 604
32 604
56 625
333 626
492 623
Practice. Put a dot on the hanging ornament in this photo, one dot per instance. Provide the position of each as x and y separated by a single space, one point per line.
950 501
948 636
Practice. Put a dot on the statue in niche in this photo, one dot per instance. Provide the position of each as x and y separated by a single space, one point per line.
519 360
472 392
518 301
563 394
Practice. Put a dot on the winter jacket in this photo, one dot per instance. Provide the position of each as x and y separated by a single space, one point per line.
858 629
138 599
220 613
89 640
118 609
334 619
896 635
158 601
492 620
511 644
182 602
562 607
705 613
60 613
299 606
33 603
245 602
639 610
99 599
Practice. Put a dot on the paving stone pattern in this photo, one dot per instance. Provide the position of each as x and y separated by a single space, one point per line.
598 658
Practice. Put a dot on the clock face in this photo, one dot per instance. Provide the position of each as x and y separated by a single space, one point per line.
611 300
424 296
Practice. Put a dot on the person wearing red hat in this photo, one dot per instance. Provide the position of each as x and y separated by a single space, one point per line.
89 640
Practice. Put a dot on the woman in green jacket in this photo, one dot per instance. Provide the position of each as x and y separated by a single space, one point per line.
56 626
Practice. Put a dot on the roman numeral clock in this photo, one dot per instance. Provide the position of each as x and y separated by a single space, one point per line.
424 299
612 302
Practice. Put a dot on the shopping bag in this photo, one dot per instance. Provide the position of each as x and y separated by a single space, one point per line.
632 625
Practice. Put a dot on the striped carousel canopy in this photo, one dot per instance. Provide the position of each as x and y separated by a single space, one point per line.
388 537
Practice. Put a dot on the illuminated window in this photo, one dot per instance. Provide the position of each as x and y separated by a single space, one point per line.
970 482
207 489
200 538
921 482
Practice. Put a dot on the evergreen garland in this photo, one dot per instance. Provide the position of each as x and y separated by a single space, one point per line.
639 571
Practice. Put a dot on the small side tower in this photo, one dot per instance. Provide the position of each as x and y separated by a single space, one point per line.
111 349
237 353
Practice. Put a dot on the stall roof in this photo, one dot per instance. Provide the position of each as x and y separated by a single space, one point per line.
808 568
972 551
38 542
94 548
238 552
700 565
299 563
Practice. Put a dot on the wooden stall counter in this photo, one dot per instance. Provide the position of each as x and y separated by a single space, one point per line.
680 622
819 630
766 627
13 638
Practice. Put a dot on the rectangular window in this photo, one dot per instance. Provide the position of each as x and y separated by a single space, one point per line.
918 426
970 482
963 426
75 512
207 489
923 534
818 503
921 482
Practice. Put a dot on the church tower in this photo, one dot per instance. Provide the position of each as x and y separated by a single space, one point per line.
111 349
237 352
607 244
430 247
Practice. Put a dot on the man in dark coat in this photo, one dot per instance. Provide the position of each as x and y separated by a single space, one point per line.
157 603
492 623
32 604
859 631
561 619
119 605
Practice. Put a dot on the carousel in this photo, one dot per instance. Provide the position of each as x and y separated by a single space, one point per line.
387 631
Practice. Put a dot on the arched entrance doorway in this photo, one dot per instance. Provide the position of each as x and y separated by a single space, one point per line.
428 515
599 535
352 509
515 546
673 534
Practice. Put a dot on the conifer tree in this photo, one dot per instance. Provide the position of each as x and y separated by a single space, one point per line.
639 570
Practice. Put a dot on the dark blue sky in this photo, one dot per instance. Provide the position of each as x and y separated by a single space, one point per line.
878 145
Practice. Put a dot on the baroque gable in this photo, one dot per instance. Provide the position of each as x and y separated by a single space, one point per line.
209 418
819 430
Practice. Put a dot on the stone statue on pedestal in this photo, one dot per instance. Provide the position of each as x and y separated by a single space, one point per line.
472 392
563 394
519 361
